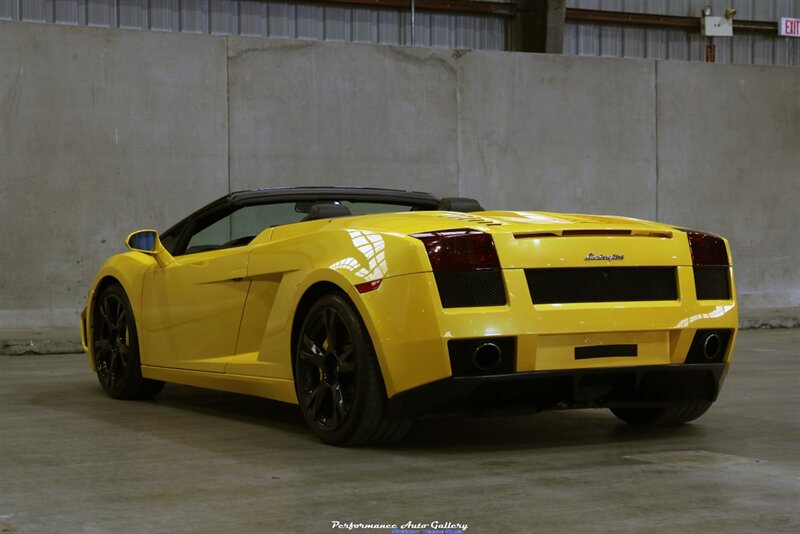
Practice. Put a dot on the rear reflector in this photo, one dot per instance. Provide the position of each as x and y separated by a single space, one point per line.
366 287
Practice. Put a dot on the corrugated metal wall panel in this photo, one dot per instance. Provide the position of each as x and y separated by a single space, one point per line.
657 44
165 15
259 18
677 45
223 17
305 20
389 27
493 33
133 14
8 10
252 18
422 30
364 25
281 17
194 16
765 10
101 13
633 43
67 12
440 30
336 24
743 48
309 21
36 11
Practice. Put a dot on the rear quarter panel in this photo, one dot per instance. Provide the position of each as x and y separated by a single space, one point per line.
300 256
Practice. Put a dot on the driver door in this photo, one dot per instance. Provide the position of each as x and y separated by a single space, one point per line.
191 310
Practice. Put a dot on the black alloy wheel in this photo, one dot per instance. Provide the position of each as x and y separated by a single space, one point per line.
337 378
328 368
116 348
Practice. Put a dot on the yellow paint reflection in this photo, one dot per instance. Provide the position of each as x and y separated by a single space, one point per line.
373 264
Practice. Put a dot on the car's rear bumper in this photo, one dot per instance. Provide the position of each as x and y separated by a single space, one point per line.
531 392
413 334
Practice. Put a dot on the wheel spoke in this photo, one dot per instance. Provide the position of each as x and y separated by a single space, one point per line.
329 319
102 360
339 408
119 312
113 376
122 360
311 353
104 314
315 400
346 361
121 321
103 375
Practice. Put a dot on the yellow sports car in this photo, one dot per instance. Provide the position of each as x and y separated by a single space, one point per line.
370 307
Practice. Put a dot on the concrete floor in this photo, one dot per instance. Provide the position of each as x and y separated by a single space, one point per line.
73 460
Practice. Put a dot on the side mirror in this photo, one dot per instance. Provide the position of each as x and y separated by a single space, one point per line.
142 241
147 242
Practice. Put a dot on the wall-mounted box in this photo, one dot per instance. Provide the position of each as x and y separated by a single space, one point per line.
716 27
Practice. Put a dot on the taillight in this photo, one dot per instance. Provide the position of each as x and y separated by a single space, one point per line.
707 249
460 250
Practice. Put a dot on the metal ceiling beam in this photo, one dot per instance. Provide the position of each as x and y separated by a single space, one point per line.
662 21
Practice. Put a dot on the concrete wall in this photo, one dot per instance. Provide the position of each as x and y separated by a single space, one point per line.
729 162
106 131
101 132
342 114
558 133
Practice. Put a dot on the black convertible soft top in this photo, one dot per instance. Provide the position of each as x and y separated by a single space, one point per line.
310 193
415 200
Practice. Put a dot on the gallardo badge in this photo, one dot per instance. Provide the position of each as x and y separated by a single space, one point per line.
602 257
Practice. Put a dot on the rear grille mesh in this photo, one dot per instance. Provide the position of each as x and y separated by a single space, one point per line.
602 284
711 283
471 288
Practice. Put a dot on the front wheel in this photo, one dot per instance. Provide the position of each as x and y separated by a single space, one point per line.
337 378
670 414
116 348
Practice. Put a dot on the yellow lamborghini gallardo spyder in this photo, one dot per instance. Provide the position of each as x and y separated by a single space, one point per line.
370 307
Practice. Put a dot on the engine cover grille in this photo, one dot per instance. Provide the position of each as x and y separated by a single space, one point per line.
602 284
711 283
471 288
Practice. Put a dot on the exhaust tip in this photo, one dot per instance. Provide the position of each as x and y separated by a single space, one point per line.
712 346
486 357
709 346
482 356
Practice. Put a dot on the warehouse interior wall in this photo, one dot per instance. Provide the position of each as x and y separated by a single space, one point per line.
103 132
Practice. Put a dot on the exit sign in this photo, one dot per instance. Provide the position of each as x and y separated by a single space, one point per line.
789 27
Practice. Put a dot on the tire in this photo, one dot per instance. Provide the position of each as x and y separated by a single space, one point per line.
670 414
116 348
338 380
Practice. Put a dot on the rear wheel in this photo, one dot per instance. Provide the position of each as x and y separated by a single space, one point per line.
116 348
670 414
337 378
